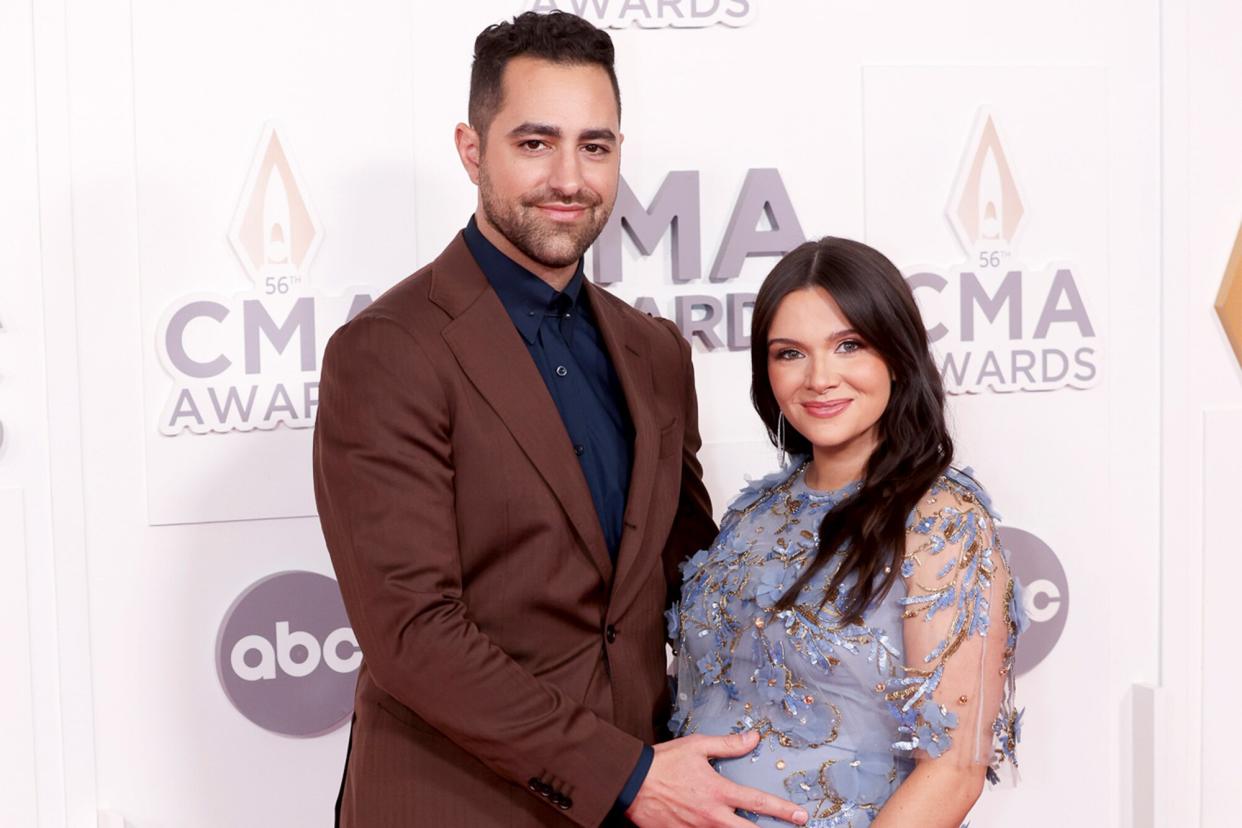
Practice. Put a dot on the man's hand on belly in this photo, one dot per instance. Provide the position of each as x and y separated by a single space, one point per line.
683 790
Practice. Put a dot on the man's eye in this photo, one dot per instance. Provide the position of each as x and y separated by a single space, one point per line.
595 149
532 144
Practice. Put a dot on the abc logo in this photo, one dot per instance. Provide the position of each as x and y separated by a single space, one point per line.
1045 594
286 655
283 654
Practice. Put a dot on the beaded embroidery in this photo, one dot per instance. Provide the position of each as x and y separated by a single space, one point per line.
844 695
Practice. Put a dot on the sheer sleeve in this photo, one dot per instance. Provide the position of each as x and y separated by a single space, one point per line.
960 624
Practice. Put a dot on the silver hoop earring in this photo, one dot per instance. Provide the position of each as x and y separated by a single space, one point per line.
780 439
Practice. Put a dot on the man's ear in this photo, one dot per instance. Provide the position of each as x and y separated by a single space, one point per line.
469 149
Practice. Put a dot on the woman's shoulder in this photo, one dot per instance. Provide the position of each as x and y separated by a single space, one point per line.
756 490
953 523
960 489
956 499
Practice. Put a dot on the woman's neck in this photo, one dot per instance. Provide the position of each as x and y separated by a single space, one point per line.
838 466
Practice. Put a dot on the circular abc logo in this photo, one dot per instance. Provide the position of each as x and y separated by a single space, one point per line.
286 655
1045 594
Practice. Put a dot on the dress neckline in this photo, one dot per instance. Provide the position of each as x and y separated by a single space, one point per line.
798 483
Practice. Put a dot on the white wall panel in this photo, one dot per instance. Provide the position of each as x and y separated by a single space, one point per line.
19 805
337 83
171 111
1222 458
50 692
1202 388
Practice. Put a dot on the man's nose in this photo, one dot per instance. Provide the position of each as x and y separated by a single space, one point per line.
566 177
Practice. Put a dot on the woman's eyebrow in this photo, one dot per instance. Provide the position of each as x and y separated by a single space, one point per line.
780 340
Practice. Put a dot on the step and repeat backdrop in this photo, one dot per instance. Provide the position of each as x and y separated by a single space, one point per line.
281 164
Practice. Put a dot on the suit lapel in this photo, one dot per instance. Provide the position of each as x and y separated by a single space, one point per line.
629 355
492 355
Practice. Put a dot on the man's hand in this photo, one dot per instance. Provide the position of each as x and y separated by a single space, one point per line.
683 791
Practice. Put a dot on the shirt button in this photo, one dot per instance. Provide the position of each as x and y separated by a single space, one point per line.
562 371
610 634
579 449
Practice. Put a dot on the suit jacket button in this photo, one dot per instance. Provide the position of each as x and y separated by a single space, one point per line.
534 784
610 634
563 802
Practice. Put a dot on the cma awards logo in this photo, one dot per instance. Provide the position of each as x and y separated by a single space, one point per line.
652 14
251 361
286 655
762 223
995 322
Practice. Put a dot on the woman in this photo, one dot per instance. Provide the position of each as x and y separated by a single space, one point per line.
857 609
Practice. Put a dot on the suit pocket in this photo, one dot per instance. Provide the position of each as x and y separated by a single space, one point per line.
405 715
670 438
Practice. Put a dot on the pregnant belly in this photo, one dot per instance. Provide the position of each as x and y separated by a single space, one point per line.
839 787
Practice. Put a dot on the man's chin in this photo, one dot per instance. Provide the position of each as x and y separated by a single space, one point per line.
553 262
557 255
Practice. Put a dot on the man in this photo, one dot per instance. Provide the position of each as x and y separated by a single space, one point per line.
506 473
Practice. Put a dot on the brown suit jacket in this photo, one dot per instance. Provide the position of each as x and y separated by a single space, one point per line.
510 675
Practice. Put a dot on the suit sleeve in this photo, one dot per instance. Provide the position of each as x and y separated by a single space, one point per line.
385 491
693 527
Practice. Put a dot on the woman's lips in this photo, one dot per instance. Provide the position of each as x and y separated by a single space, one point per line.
824 410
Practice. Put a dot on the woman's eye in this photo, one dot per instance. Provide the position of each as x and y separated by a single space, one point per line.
787 353
849 346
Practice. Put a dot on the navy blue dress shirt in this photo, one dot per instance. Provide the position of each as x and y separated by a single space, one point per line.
560 333
563 340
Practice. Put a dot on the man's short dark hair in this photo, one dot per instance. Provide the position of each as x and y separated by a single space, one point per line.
558 37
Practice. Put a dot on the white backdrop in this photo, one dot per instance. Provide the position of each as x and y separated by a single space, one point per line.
137 148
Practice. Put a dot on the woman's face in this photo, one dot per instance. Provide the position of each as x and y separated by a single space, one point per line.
831 385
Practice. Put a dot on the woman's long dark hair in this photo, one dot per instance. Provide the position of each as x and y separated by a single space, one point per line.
913 446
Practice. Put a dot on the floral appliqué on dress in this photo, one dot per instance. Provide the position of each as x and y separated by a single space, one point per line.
844 709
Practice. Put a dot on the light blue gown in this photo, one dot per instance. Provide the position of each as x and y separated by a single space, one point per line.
843 711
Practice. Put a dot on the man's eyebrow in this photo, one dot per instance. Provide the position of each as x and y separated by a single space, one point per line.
550 131
601 134
532 128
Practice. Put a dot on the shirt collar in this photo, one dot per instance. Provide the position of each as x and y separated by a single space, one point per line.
525 296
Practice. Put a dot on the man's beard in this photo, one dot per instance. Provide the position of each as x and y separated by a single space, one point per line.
549 243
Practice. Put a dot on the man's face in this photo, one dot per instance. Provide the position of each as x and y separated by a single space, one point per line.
549 167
